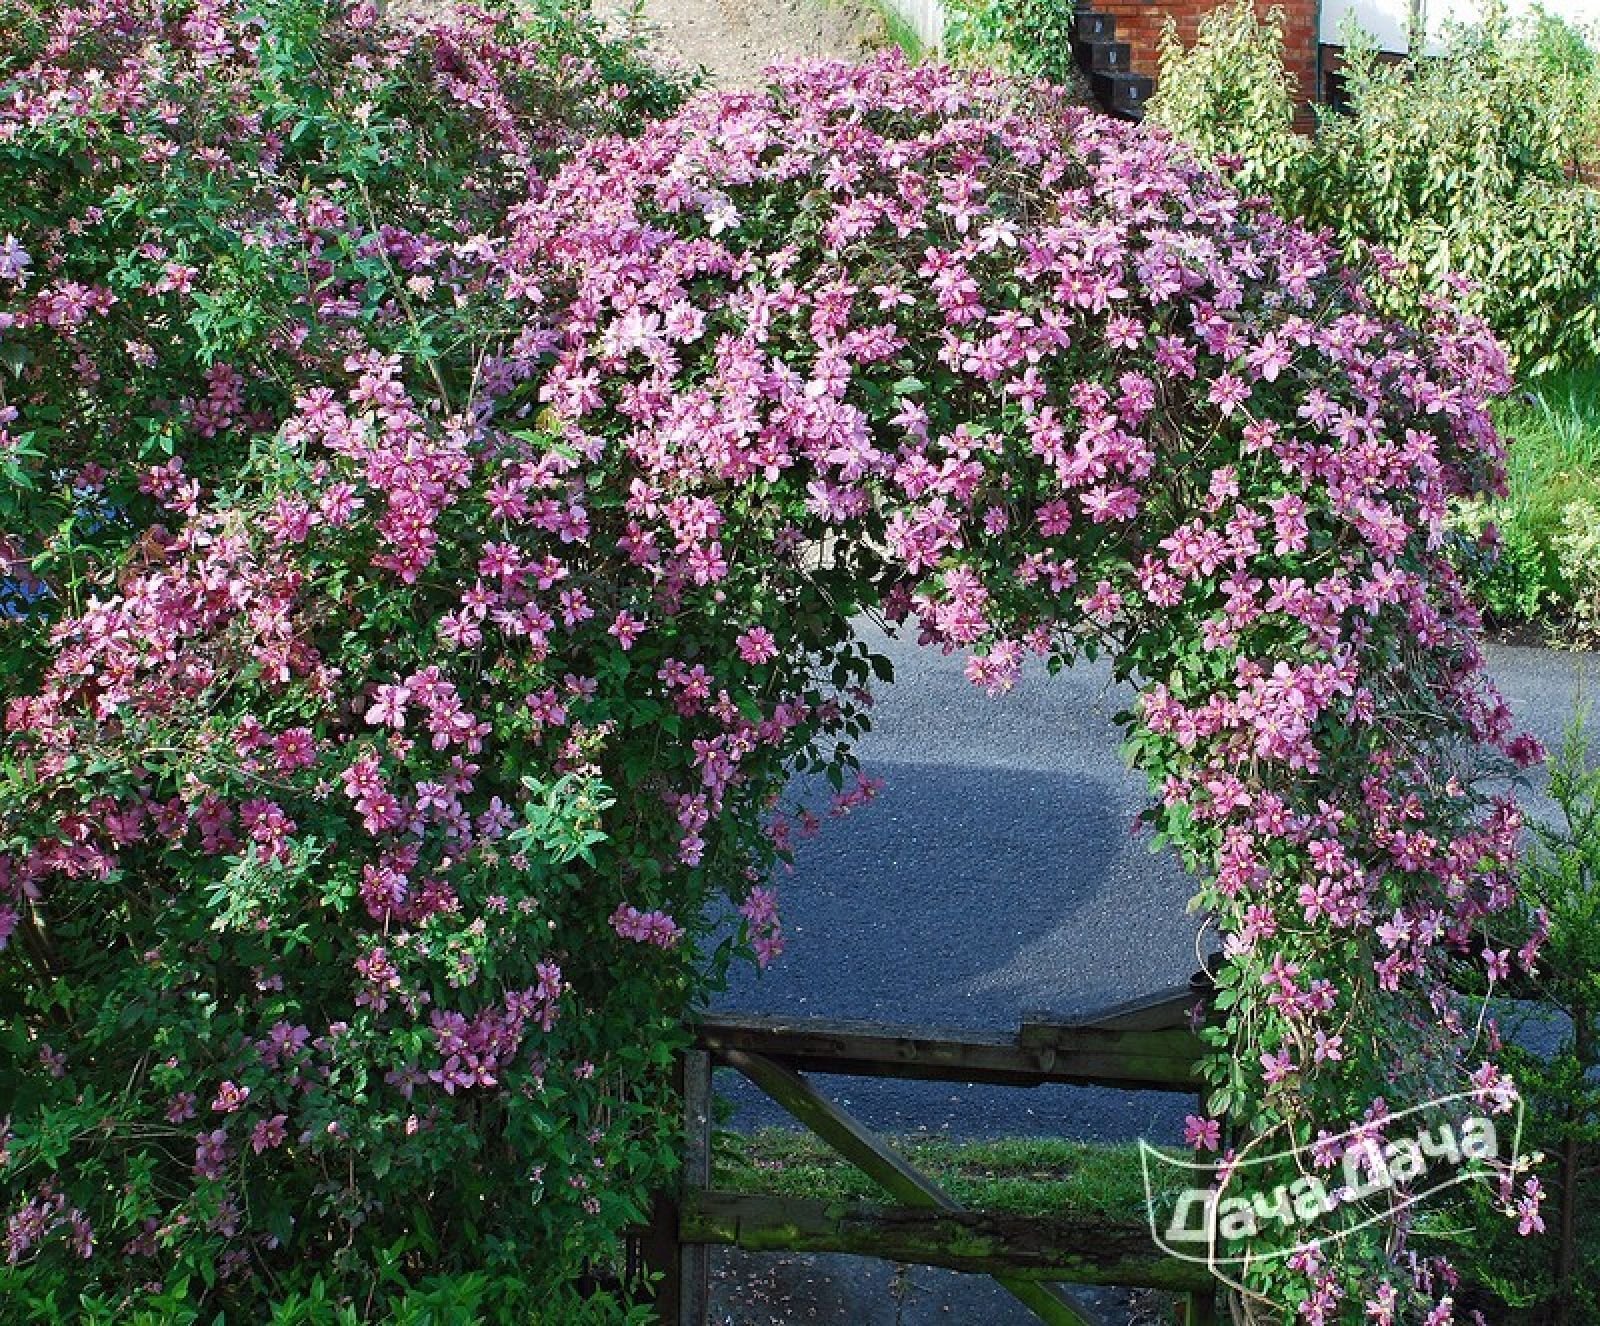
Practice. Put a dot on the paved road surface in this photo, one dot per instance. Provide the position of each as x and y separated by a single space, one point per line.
997 874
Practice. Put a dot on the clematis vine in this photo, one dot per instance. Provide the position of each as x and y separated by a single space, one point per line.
454 733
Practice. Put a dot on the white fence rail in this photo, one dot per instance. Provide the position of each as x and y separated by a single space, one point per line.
924 17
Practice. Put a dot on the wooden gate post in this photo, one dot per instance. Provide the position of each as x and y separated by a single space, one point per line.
694 1279
683 1286
659 1255
680 1269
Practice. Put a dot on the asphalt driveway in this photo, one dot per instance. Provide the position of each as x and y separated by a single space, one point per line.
997 874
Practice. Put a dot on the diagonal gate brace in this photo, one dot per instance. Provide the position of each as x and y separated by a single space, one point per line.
903 1181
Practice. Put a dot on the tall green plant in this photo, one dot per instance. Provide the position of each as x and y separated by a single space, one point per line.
1232 99
1469 164
1461 165
1569 62
1027 38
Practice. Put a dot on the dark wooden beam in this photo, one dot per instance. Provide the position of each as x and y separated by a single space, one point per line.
659 1252
694 1278
1161 1060
1152 1060
899 1177
1081 1250
1166 1010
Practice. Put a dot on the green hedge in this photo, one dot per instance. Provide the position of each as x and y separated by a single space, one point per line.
1547 565
1469 164
1027 38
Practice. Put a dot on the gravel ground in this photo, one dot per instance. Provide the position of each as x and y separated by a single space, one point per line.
734 40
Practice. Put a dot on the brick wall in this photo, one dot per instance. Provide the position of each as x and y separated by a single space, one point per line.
1139 23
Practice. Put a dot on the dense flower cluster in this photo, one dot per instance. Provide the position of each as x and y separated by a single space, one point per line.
211 208
1041 386
210 204
385 804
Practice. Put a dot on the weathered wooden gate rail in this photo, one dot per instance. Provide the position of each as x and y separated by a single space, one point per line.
1144 1044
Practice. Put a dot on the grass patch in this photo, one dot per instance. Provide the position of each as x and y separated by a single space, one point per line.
1016 1175
1553 428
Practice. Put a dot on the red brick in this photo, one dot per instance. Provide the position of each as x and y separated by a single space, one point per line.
1141 22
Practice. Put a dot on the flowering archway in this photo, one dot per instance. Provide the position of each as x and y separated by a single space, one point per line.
393 798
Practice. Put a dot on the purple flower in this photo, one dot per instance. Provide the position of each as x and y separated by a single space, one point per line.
757 645
269 1133
230 1097
1202 1134
14 260
211 1154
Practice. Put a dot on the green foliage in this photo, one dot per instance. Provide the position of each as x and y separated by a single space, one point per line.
1560 884
1577 552
1232 99
1569 62
1508 572
468 1299
1027 38
1547 564
1464 165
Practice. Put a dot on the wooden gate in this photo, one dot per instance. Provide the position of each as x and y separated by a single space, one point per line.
1146 1044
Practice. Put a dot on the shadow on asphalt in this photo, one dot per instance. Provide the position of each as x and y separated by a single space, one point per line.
966 897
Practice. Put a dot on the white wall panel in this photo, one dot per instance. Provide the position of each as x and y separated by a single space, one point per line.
1388 20
925 18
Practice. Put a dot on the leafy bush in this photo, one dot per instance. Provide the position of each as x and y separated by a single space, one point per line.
1567 58
1027 38
1509 573
368 835
1232 99
207 202
1456 166
1462 164
1555 1278
1543 573
1577 552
